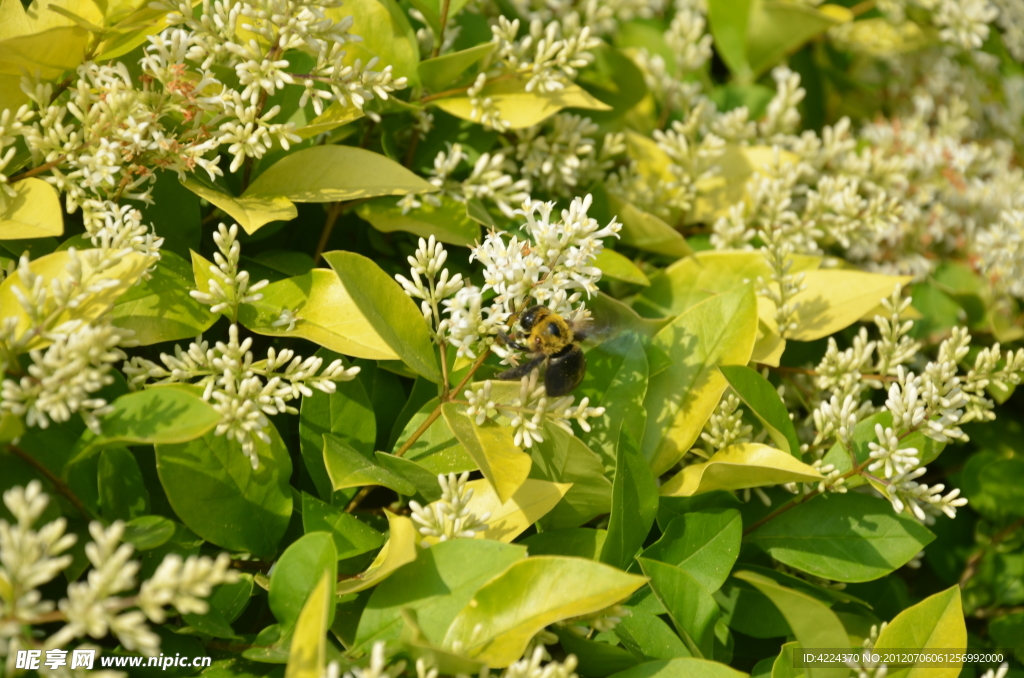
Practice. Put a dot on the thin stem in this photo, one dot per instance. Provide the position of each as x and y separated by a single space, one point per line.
36 170
862 7
444 20
333 212
57 483
815 373
358 499
431 418
974 562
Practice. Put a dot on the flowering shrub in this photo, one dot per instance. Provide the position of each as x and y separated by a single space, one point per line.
568 338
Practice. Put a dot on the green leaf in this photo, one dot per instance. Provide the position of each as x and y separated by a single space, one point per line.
505 466
777 28
351 535
333 174
718 331
389 311
445 71
157 415
579 542
297 574
33 212
1002 483
815 626
760 396
346 413
386 34
739 467
936 622
506 613
647 232
747 610
250 212
448 222
348 467
844 537
704 543
148 532
729 20
48 53
634 504
159 308
689 667
522 109
435 587
648 636
122 490
214 489
692 609
617 378
597 659
616 266
563 458
399 549
333 117
307 654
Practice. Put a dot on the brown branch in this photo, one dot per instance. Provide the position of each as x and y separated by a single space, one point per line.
333 212
36 170
444 21
58 484
358 499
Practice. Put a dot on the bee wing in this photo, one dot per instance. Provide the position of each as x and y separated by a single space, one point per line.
610 317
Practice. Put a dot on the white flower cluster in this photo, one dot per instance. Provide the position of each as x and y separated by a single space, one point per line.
549 56
933 402
378 666
725 426
561 154
63 378
102 602
490 179
244 392
528 413
449 517
102 140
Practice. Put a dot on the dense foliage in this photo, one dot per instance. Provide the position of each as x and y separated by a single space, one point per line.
276 389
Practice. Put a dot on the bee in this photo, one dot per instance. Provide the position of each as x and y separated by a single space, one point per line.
552 340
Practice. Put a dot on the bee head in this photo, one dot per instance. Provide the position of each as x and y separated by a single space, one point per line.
531 316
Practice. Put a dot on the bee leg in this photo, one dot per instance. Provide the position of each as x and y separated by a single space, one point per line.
509 341
517 373
565 371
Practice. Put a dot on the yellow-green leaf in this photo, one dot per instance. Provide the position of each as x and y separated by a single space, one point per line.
738 467
448 222
685 384
616 266
327 314
308 652
521 108
728 186
532 501
937 622
334 116
33 213
50 53
399 549
815 626
385 33
251 213
335 173
503 464
442 72
647 232
389 311
122 275
689 281
833 300
779 27
506 613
